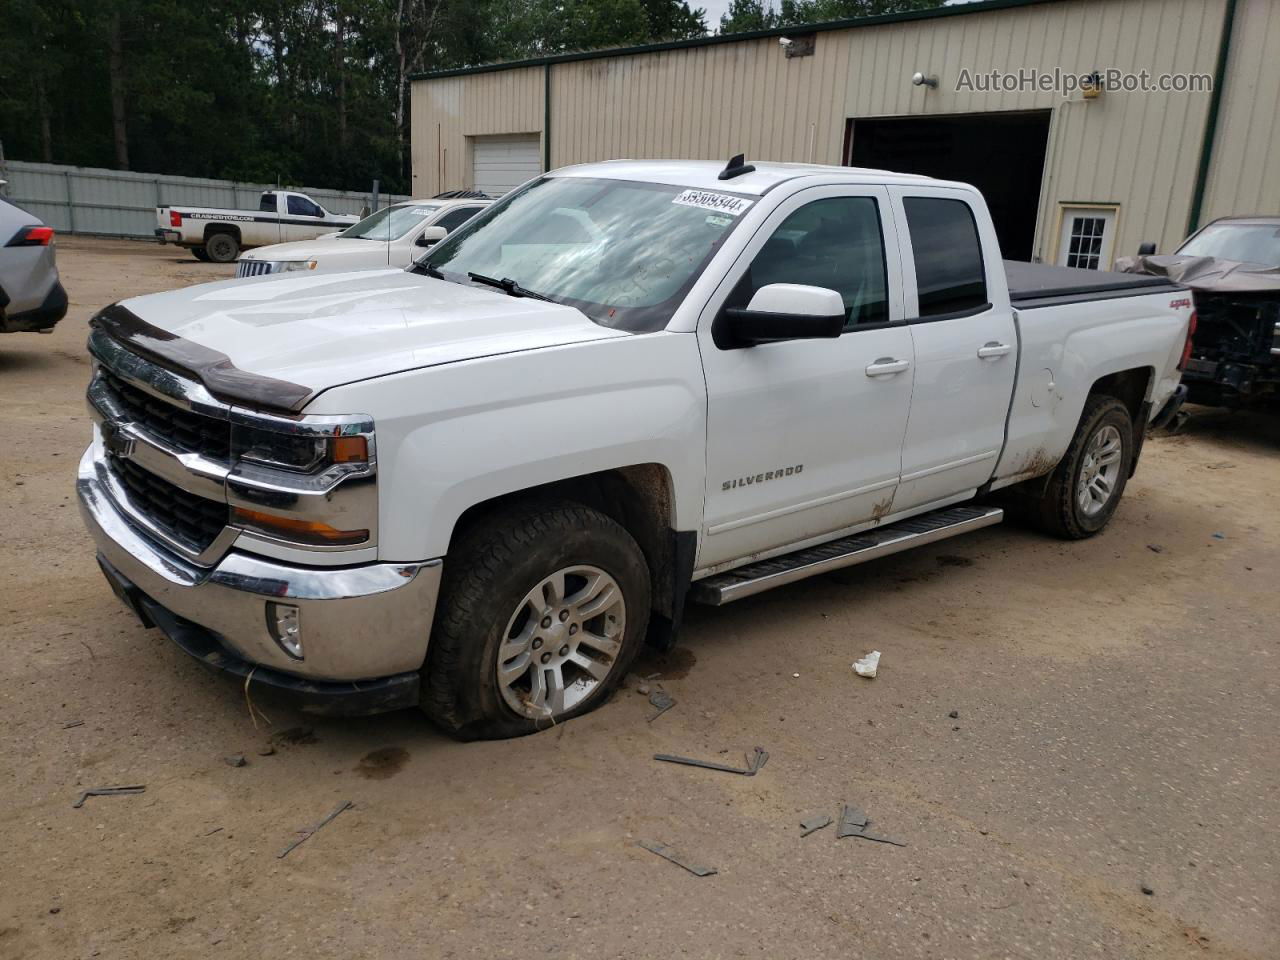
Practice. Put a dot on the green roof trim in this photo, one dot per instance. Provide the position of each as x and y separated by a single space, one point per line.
959 9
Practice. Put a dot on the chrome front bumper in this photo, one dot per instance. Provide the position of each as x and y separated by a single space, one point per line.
357 623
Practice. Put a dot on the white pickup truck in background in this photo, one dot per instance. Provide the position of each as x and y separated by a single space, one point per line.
479 484
212 233
394 236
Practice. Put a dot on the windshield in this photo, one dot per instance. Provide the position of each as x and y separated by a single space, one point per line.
624 253
390 223
1244 242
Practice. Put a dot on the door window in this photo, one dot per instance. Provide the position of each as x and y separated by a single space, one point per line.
836 243
950 277
456 218
302 207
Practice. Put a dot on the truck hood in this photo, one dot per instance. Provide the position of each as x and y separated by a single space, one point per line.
320 331
316 248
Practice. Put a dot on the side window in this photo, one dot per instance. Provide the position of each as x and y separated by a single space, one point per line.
267 203
835 243
456 217
302 207
944 240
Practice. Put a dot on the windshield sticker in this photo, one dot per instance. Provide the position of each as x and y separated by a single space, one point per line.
720 202
715 220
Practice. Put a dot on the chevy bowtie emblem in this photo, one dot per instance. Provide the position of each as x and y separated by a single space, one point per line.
115 441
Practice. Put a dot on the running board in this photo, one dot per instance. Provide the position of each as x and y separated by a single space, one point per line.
916 532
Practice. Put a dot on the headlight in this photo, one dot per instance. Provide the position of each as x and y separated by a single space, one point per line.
288 266
299 454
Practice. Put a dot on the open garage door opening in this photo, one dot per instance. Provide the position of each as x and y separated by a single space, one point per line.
1002 154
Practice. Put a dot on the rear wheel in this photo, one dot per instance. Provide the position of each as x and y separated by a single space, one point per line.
1085 488
543 608
221 247
200 253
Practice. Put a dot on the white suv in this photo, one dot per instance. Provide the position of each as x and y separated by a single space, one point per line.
395 236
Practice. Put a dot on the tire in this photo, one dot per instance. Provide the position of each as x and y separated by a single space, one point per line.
1064 510
200 253
222 247
486 612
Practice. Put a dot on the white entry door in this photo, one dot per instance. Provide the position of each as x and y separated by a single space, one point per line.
1088 235
500 164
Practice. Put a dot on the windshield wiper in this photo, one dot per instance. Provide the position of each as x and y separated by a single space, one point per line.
430 269
508 286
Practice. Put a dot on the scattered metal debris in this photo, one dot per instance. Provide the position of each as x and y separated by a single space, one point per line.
1219 536
73 723
813 824
107 792
1155 548
213 831
663 701
662 850
1147 889
235 760
755 761
954 714
868 665
307 834
854 823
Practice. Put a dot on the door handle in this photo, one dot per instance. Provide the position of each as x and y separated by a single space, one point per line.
887 367
992 350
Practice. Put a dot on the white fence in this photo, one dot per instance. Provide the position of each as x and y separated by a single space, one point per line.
122 203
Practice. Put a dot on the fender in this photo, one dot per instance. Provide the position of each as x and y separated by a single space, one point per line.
450 437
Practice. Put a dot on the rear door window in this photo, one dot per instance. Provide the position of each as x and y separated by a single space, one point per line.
950 277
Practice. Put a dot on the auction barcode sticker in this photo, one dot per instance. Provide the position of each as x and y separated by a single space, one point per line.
719 202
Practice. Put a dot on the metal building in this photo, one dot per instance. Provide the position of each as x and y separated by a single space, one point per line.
1073 176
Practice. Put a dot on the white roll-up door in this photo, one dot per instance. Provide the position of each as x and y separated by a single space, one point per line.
500 163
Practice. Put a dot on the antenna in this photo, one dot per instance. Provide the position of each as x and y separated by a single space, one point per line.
736 167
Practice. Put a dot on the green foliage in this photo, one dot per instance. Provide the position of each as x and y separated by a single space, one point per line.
744 16
300 91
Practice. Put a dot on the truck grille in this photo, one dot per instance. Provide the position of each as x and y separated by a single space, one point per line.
191 520
181 429
254 268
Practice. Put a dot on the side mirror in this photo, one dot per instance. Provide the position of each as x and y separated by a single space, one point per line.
1146 249
784 311
430 236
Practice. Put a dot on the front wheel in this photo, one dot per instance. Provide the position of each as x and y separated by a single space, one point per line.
542 609
1085 488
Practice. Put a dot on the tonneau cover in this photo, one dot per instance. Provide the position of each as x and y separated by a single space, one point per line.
1210 274
1041 281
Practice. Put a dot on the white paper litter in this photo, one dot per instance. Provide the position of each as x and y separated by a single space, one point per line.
866 667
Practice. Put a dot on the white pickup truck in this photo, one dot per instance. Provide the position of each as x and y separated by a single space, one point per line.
477 485
394 236
219 235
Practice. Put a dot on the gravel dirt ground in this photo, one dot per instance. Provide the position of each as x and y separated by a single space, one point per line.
1077 742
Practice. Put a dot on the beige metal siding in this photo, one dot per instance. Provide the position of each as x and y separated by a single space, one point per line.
1136 149
1245 175
445 113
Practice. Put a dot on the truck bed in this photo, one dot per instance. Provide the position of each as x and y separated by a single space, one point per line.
1043 285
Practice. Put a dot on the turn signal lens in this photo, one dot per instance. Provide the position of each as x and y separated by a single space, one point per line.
349 450
297 531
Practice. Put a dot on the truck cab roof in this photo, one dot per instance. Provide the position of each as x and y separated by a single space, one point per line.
705 174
